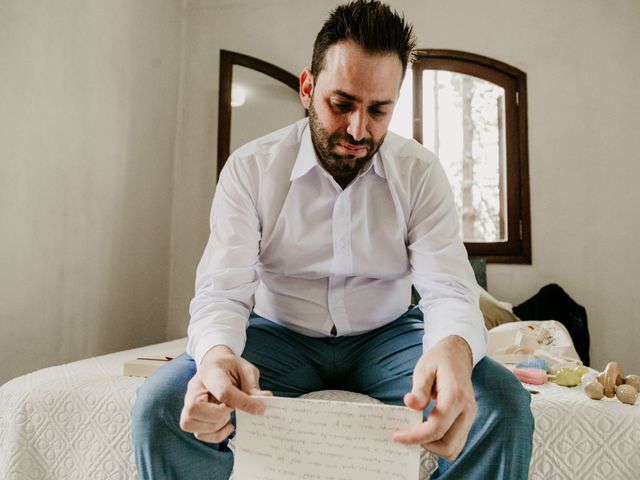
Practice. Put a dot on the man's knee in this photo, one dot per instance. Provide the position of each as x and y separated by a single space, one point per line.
502 401
501 438
160 399
153 407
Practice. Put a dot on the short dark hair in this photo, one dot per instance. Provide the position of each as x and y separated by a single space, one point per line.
370 24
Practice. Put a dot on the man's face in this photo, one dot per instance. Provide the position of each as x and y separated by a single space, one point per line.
350 105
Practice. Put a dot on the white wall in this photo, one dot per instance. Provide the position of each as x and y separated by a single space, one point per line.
583 71
88 98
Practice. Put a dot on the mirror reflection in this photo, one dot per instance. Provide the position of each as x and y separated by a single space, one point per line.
260 104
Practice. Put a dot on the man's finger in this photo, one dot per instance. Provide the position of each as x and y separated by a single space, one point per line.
425 432
422 384
189 424
196 391
452 444
236 398
220 386
261 393
208 412
434 428
216 437
449 409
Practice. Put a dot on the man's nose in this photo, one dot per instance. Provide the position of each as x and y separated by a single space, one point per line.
357 127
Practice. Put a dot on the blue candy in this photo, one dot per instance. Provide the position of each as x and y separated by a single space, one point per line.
535 363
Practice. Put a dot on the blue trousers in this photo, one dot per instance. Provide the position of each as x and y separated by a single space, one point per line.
378 363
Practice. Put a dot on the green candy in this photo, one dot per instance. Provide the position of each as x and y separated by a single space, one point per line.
568 377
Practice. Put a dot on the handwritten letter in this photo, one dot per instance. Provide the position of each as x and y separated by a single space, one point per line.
324 440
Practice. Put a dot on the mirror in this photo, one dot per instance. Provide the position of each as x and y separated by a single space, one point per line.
255 98
260 104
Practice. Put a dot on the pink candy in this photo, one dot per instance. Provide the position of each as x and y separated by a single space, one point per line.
534 376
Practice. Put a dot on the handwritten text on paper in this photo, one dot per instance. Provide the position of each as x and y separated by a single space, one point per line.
324 440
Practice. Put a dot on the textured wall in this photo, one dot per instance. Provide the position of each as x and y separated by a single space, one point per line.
88 98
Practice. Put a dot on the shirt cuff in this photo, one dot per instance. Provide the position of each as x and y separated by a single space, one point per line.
198 349
459 320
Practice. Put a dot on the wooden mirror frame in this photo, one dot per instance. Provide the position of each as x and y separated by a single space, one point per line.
227 60
517 248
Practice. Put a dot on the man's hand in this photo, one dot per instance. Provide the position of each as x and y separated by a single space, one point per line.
444 374
223 382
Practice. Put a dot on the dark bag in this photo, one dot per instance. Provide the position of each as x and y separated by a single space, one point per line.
553 303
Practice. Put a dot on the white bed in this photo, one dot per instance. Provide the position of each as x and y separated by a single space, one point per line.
72 422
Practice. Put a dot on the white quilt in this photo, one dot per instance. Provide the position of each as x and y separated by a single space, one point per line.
72 422
579 438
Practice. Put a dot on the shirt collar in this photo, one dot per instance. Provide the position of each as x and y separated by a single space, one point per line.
378 164
307 159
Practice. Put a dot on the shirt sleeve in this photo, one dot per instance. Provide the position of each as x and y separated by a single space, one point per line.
226 277
440 267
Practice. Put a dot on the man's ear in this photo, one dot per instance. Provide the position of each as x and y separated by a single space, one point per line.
306 87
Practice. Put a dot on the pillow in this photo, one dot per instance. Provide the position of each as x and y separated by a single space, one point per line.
552 343
494 311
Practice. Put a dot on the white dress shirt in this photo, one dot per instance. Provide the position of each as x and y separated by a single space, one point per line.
318 256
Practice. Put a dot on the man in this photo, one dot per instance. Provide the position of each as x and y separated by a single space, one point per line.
329 222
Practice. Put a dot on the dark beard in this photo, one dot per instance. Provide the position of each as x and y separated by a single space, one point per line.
339 166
